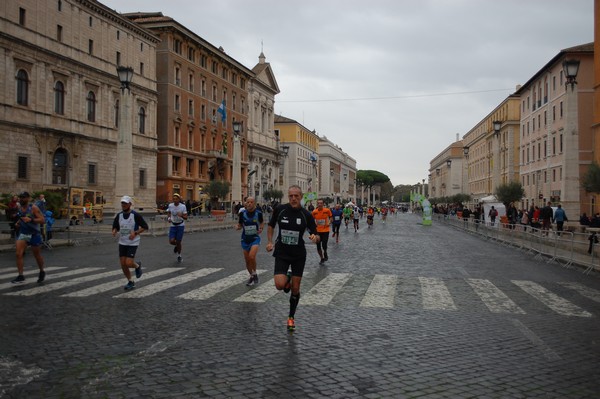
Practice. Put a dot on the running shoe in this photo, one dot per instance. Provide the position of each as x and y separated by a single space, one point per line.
288 285
138 270
250 281
175 249
41 276
322 262
130 285
179 258
291 325
255 277
325 258
20 279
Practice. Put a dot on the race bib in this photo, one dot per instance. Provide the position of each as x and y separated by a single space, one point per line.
289 237
125 232
336 218
250 230
321 222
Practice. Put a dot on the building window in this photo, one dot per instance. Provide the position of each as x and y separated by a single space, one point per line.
177 138
91 47
215 67
177 46
141 46
553 145
22 87
59 5
59 98
118 35
191 139
59 33
142 120
203 112
233 101
22 13
203 60
92 173
175 166
90 21
191 82
142 178
117 113
22 167
243 84
142 68
189 164
191 54
561 110
214 93
177 103
553 175
553 113
191 107
59 167
177 76
203 88
91 106
560 143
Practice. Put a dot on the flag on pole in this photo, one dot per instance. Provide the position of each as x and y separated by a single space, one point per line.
222 111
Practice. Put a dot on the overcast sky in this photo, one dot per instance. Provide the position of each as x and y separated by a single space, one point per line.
391 82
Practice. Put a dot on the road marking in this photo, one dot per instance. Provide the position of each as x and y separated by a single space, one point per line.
14 373
551 300
381 292
28 273
111 285
34 288
148 290
584 290
537 341
493 298
326 289
62 284
435 294
262 293
212 289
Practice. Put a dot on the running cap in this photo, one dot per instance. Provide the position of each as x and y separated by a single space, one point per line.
126 199
177 195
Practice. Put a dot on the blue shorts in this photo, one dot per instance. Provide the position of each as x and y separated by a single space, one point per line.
34 239
246 246
176 232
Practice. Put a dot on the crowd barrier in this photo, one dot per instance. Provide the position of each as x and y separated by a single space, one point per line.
568 248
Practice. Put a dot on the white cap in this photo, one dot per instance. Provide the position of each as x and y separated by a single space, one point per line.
126 198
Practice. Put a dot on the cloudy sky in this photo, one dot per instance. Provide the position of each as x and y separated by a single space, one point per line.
392 82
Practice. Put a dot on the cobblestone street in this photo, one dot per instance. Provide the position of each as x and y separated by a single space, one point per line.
400 310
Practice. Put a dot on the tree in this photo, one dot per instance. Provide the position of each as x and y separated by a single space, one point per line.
273 194
370 178
509 193
590 181
217 189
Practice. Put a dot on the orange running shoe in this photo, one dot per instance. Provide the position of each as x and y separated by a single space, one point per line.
291 324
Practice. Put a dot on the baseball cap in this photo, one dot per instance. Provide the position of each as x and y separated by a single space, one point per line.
24 194
127 199
176 195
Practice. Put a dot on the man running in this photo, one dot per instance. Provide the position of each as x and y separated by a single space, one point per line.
293 220
27 227
323 218
129 224
356 215
347 215
337 221
250 219
178 215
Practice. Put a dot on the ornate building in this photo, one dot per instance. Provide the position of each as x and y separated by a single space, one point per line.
264 152
337 172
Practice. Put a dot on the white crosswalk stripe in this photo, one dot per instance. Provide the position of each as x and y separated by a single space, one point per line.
495 300
260 293
148 290
551 300
587 292
39 288
116 283
381 292
62 284
212 289
29 273
435 294
325 290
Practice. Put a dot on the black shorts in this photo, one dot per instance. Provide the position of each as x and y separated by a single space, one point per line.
282 266
127 251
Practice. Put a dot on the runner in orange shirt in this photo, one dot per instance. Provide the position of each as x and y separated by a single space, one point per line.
323 218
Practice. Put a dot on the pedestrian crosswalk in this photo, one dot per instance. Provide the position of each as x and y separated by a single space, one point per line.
384 291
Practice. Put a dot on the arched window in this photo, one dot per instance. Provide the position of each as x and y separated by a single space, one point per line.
59 98
117 113
22 87
60 162
142 120
91 106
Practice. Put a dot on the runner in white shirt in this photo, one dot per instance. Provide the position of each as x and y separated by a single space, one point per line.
177 217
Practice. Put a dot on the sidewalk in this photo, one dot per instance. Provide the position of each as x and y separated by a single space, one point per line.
65 235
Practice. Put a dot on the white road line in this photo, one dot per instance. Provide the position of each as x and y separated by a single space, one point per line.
435 294
261 293
553 301
34 288
537 341
212 289
62 284
381 292
493 298
148 290
584 290
325 290
33 272
111 285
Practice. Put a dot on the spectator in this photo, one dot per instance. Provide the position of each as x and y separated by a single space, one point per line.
547 215
584 220
11 214
560 217
492 214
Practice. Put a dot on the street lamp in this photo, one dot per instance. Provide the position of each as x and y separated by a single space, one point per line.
124 167
570 68
466 151
236 175
286 150
497 125
449 163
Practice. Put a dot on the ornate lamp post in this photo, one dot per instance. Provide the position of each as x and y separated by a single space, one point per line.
124 168
236 175
286 150
570 193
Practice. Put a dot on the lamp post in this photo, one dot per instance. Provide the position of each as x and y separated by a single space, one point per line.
313 161
124 168
236 175
570 190
286 150
497 125
465 185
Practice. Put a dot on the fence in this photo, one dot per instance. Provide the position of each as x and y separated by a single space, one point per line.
568 248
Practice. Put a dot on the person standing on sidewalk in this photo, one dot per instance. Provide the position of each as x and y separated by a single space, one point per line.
337 214
547 215
250 221
129 224
323 218
293 220
27 225
560 217
178 214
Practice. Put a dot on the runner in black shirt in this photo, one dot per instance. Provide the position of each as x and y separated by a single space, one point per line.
292 220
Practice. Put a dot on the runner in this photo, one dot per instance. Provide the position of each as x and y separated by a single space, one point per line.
178 215
370 216
356 215
347 215
290 251
251 223
27 227
337 222
323 218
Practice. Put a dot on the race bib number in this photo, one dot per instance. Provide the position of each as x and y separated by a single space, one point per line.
24 237
321 222
289 237
336 218
250 230
125 232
